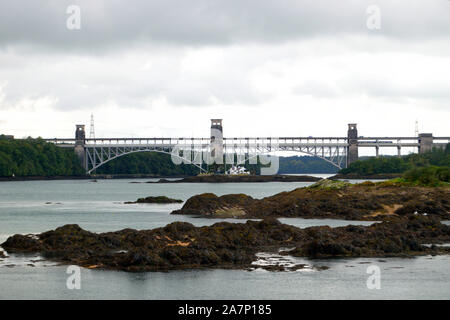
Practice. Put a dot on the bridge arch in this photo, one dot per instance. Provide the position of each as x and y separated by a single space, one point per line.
337 165
96 166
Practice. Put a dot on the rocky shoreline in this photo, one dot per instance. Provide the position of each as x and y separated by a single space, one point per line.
328 199
181 245
357 176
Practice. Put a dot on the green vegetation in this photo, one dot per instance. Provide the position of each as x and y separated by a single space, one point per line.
437 157
428 176
35 157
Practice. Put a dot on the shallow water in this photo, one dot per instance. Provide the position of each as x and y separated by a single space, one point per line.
98 206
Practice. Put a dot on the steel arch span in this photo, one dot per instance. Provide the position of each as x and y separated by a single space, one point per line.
96 157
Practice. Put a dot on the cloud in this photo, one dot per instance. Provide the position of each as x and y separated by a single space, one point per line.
247 75
107 24
134 79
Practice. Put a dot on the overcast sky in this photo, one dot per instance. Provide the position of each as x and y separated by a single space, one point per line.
268 68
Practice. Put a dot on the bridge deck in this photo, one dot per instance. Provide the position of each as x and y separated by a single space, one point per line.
249 142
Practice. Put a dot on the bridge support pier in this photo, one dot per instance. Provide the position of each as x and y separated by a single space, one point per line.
399 151
80 137
425 142
217 144
352 149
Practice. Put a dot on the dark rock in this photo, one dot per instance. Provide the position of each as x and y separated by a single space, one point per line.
22 243
210 204
159 199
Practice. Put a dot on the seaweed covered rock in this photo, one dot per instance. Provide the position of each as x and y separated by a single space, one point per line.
391 238
181 245
437 207
22 243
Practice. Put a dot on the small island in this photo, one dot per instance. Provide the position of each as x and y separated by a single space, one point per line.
159 199
329 199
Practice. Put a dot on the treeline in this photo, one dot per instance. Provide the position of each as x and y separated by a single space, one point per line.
305 164
35 157
439 157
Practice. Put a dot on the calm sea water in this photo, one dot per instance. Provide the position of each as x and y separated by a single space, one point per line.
37 206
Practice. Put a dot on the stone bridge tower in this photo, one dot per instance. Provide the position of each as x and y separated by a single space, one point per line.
80 136
352 149
217 141
425 142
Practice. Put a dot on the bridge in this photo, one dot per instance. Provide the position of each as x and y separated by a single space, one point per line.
339 151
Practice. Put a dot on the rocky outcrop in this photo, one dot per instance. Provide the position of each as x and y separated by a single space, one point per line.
239 178
329 184
208 204
181 245
329 199
159 199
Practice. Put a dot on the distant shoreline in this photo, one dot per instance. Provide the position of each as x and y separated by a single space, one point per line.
91 177
357 176
241 178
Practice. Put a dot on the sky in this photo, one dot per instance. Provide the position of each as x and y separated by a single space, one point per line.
152 68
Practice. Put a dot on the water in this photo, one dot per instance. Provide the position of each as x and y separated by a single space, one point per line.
37 206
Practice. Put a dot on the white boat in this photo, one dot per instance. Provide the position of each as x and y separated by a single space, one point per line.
236 170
